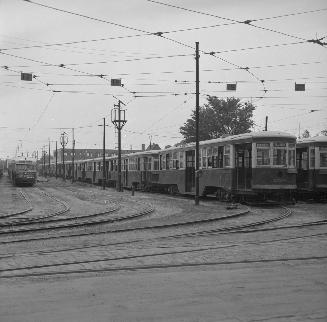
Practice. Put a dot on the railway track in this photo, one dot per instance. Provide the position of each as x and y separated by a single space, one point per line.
160 266
73 222
20 212
79 266
38 218
156 227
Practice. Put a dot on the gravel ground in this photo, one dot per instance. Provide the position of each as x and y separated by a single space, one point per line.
179 272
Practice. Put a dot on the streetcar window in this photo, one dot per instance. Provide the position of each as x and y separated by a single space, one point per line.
291 158
220 158
323 157
175 162
168 161
263 154
279 153
291 155
227 156
163 162
209 157
204 158
25 167
181 159
155 163
312 158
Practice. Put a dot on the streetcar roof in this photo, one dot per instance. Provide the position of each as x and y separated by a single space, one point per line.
316 139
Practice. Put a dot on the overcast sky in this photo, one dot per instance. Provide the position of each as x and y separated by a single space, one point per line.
118 43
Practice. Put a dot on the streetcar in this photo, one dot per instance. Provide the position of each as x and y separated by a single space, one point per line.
311 163
22 171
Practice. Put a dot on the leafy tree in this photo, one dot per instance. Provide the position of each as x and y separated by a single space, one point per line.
219 117
305 134
153 146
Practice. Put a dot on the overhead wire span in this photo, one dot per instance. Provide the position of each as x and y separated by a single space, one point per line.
248 22
159 34
61 66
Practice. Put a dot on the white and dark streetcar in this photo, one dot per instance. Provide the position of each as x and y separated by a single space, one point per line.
311 163
22 172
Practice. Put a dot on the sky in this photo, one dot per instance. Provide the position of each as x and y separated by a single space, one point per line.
68 52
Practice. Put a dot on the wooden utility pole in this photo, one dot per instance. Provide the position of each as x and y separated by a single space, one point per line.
73 157
104 156
49 160
197 101
56 160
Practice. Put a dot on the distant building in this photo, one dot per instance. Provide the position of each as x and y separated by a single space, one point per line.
84 154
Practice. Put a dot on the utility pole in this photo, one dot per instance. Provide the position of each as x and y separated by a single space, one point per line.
49 159
63 142
118 119
43 161
56 160
266 124
73 157
197 102
104 156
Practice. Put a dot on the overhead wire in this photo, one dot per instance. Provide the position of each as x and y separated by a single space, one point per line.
43 111
248 22
160 34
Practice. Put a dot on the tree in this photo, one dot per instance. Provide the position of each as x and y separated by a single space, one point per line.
153 146
219 117
305 134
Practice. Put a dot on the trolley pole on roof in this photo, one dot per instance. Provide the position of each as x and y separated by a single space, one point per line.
197 101
118 119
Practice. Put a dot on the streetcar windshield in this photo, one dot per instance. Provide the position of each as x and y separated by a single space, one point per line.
25 167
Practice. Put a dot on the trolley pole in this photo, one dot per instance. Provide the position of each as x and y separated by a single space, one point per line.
197 100
56 160
104 156
118 119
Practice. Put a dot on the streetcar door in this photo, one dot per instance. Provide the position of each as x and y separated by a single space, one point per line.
190 171
243 166
302 178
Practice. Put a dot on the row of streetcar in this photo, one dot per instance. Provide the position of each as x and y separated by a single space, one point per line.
261 165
